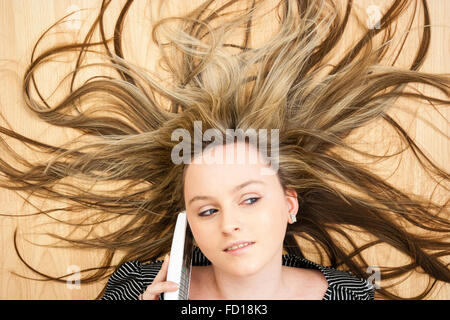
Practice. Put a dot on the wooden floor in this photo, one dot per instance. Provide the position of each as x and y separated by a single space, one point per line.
21 24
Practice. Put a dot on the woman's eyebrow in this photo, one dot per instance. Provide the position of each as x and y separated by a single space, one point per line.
234 190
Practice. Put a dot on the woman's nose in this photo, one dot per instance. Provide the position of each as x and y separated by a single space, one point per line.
230 221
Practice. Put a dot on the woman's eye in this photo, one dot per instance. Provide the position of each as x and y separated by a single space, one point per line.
202 214
256 199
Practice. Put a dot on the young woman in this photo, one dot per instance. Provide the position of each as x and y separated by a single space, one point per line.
309 81
240 225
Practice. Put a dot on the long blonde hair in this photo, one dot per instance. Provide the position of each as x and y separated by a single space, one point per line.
293 82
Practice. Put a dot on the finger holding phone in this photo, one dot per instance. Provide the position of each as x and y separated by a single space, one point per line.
159 284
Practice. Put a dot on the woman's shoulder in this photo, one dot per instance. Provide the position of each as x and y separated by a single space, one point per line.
131 279
342 285
346 286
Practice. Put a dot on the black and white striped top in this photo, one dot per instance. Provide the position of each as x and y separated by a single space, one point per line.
133 277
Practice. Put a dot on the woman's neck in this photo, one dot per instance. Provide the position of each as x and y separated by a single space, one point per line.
269 283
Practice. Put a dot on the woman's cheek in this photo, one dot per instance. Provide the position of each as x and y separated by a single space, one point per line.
268 218
204 237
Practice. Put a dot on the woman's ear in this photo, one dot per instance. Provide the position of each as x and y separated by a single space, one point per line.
292 203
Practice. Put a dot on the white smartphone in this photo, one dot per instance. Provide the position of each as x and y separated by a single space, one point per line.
180 261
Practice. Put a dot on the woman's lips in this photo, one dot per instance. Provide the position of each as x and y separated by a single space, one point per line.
240 250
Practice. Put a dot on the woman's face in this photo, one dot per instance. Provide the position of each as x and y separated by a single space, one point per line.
227 202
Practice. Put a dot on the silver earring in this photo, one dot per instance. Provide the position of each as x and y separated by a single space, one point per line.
293 218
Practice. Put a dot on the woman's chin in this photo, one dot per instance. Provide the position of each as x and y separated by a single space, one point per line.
241 269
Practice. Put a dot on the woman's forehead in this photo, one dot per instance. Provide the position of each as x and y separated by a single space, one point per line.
225 176
212 171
